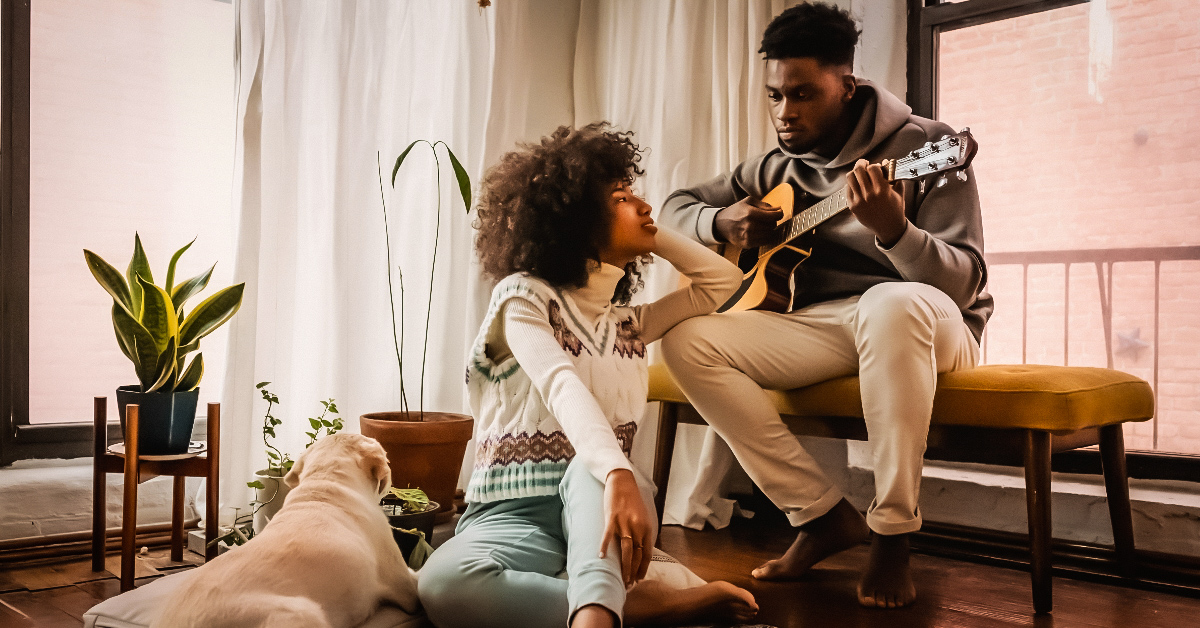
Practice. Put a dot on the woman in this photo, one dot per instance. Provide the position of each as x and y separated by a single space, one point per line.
557 384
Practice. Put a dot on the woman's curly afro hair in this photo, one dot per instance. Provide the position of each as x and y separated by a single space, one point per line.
543 209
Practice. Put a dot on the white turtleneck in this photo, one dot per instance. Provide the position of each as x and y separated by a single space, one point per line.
530 338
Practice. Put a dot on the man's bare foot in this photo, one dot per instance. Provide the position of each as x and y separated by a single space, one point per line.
654 603
839 529
888 581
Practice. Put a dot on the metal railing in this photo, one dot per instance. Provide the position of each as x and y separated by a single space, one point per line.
1103 259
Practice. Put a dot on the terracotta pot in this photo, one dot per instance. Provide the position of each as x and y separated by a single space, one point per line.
425 451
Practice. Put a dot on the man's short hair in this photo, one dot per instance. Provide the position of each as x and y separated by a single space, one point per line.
820 31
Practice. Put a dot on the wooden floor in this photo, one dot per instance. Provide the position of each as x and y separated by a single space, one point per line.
950 593
55 594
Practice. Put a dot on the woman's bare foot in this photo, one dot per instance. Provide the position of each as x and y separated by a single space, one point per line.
839 529
656 604
888 581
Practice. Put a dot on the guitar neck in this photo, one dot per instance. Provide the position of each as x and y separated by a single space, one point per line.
815 215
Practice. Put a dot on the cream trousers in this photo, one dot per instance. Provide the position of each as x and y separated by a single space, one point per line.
896 336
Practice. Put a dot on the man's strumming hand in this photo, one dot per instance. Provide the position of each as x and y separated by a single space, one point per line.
747 223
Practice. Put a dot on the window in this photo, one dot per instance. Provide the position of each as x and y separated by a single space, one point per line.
1087 171
130 127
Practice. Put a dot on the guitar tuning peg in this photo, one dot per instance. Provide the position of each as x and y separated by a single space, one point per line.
965 129
961 175
921 186
941 181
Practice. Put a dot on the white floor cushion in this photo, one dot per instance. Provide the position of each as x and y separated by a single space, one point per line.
137 608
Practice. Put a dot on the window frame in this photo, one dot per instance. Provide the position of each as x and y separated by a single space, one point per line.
927 19
19 439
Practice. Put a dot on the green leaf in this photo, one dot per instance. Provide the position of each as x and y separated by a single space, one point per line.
126 344
261 384
138 265
190 378
464 181
165 369
171 267
158 314
256 484
400 160
326 423
109 278
316 425
145 352
211 313
186 349
189 288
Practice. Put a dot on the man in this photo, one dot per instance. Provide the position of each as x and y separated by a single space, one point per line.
893 291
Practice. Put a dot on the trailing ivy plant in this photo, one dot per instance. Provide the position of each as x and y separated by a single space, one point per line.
464 191
153 329
278 462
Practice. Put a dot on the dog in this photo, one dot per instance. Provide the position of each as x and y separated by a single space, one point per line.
326 560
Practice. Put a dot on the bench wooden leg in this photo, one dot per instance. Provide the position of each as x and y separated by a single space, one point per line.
668 425
1116 484
1037 496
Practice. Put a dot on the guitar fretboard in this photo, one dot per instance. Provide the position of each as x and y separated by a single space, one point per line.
814 215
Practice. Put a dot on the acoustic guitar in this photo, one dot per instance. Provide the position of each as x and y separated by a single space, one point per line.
766 284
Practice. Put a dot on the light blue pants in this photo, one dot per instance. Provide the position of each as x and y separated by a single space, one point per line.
529 562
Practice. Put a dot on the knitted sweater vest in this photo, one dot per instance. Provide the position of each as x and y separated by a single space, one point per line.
521 450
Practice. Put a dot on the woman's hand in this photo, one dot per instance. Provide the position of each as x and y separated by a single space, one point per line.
628 524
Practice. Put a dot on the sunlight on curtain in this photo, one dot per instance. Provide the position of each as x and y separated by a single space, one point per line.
321 88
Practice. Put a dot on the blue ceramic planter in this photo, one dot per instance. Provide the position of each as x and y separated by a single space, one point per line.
165 420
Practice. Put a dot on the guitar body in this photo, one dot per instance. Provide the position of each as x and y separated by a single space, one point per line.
768 283
767 271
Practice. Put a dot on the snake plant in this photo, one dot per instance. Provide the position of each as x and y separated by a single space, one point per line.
153 329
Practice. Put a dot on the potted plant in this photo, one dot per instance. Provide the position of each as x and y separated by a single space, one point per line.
424 448
411 515
156 333
268 485
269 489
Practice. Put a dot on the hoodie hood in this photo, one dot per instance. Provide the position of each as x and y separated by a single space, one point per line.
882 115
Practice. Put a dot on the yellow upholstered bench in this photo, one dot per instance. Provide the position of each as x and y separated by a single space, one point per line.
991 414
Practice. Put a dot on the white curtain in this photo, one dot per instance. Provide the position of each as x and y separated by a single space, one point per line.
323 86
686 77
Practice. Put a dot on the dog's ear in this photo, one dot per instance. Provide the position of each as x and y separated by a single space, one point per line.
382 474
293 477
378 469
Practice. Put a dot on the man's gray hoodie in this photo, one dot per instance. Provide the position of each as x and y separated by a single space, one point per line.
942 246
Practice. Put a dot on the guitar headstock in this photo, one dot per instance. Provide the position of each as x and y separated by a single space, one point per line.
952 152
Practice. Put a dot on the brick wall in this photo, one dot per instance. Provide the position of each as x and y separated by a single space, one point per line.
1061 168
